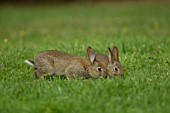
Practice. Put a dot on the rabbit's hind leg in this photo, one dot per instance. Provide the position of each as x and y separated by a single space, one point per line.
38 72
44 71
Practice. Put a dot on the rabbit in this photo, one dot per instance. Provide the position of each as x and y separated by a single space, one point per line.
111 62
53 62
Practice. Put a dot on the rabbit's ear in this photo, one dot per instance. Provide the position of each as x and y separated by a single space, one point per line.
110 55
91 55
115 53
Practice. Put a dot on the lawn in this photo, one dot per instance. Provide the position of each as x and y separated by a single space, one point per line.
141 31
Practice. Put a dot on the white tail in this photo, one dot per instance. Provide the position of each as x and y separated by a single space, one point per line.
29 62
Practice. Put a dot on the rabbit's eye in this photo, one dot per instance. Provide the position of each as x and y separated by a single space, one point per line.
116 69
99 69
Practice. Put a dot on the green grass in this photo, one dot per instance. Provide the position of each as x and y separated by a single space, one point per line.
140 30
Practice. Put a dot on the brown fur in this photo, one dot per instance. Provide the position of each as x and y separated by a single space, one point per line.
102 59
111 62
53 62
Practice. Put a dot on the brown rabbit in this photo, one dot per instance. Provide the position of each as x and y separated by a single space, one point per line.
53 62
111 62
